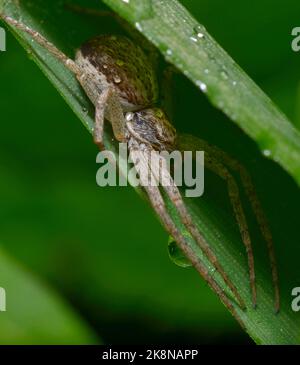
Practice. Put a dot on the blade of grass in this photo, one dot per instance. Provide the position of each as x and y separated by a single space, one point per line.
34 313
188 46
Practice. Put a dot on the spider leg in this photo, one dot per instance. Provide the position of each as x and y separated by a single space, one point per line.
166 87
162 174
264 228
156 200
69 63
108 106
91 11
236 203
188 142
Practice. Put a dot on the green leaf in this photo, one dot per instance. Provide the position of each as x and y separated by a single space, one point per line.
229 89
35 314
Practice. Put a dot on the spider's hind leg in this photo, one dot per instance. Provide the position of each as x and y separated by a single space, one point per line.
234 195
194 143
92 12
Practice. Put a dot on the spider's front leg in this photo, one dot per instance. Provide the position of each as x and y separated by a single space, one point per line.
162 174
50 47
151 128
108 105
140 159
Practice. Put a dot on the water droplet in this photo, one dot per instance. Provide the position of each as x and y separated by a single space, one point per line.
202 86
117 79
206 71
267 153
138 26
176 254
85 110
194 39
169 52
198 31
234 83
126 1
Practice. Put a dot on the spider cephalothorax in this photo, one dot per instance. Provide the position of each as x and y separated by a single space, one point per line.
151 126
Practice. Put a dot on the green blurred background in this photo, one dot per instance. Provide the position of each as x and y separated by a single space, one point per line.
99 253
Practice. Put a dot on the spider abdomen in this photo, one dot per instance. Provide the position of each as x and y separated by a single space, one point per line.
117 62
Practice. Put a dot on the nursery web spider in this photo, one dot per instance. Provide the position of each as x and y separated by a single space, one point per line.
120 81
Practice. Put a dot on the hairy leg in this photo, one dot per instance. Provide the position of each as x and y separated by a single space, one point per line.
233 192
108 106
166 87
161 173
69 63
187 142
156 200
91 11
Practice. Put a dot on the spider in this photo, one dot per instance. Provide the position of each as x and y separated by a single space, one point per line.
121 82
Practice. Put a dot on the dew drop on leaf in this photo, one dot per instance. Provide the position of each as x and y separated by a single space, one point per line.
267 153
176 255
202 86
